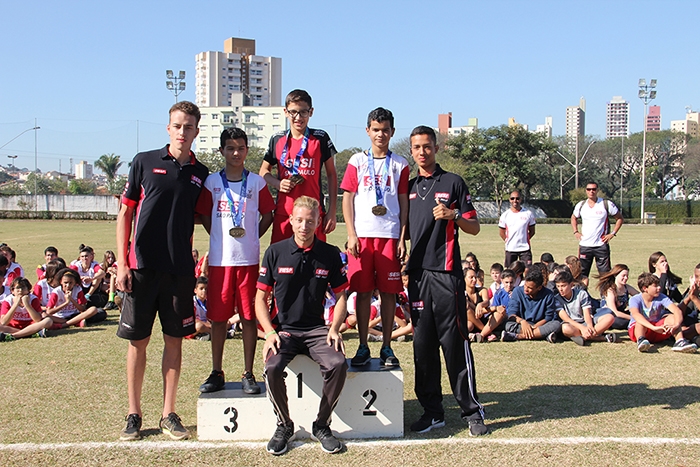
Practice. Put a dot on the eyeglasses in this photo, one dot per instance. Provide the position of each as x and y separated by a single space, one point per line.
301 113
591 189
514 198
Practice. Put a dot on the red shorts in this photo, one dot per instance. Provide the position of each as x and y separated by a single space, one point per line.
19 324
652 336
231 289
377 267
282 229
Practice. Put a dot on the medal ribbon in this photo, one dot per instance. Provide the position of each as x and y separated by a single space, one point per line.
297 159
383 175
237 214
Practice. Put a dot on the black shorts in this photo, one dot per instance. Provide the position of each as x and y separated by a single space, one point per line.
168 295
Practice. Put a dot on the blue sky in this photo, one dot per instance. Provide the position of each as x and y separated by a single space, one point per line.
88 71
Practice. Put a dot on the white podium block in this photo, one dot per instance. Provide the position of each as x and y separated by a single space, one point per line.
232 415
370 406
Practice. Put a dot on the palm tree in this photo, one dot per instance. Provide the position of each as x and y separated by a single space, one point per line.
109 164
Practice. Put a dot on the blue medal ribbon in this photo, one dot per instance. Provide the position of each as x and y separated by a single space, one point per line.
237 214
383 175
297 160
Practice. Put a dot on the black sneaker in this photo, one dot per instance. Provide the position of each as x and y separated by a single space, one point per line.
110 306
508 336
477 428
552 337
172 426
362 356
283 435
250 386
427 423
132 432
386 355
324 435
215 382
612 338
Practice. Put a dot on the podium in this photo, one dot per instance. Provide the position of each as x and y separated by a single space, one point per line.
370 406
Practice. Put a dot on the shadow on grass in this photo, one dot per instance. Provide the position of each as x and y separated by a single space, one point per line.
551 402
547 402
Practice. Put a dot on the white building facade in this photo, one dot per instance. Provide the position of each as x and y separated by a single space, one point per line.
259 124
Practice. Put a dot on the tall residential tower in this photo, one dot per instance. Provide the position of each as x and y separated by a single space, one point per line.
618 118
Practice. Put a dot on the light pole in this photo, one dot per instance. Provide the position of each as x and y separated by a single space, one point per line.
577 162
28 129
646 94
175 84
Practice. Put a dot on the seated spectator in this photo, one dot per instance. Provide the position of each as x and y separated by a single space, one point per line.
690 304
532 312
655 318
547 259
579 323
518 268
350 320
14 270
109 281
44 287
20 313
473 262
50 253
497 307
574 265
615 294
201 323
400 328
91 275
67 304
477 303
668 281
496 270
552 274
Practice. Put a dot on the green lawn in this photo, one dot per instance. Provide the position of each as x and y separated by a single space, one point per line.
71 387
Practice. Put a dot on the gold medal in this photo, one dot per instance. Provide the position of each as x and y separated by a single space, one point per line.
379 210
296 179
237 232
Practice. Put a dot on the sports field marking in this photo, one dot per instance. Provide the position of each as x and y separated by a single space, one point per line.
189 445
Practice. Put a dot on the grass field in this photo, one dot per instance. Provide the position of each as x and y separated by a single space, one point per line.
547 404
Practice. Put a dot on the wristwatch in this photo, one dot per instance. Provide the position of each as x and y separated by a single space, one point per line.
457 214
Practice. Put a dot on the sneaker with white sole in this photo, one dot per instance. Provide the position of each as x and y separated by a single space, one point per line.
132 432
684 346
427 423
643 345
324 435
508 336
362 356
172 426
387 357
552 337
279 443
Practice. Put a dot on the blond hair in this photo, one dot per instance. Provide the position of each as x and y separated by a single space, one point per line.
306 202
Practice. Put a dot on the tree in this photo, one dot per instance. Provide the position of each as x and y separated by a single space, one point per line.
109 164
81 187
214 160
500 159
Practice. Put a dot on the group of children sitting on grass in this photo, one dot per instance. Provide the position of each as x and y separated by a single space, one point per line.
63 295
550 301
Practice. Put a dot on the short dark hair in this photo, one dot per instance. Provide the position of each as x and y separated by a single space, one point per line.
4 261
232 133
201 280
379 115
646 279
496 267
592 183
51 249
298 95
69 272
534 275
547 258
507 273
187 107
564 277
424 130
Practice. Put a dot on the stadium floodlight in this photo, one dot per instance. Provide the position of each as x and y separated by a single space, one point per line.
646 94
175 84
